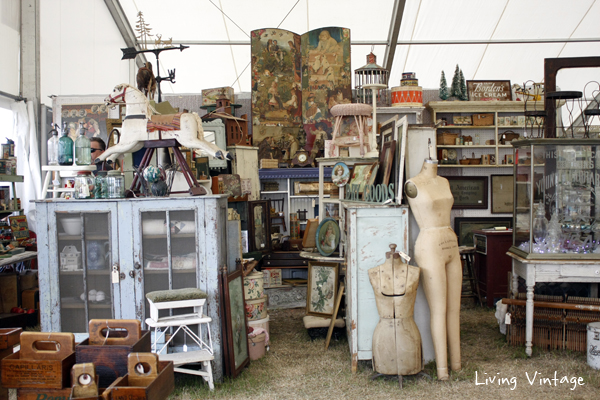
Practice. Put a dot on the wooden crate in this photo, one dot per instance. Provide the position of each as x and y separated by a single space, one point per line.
109 355
47 394
9 337
447 138
155 383
44 361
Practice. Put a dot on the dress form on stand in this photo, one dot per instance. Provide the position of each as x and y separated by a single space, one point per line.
437 254
396 339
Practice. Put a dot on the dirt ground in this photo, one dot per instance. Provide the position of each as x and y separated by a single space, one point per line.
297 368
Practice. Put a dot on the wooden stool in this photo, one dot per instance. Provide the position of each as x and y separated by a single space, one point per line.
467 255
182 298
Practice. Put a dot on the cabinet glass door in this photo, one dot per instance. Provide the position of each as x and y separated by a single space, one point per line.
169 251
84 258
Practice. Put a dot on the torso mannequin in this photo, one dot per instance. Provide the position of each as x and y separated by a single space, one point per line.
396 339
437 254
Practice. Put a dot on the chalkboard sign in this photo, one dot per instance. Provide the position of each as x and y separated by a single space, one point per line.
469 191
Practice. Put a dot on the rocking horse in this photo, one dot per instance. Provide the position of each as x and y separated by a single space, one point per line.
183 128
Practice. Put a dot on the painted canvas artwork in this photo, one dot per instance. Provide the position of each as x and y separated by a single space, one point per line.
322 285
238 325
295 81
93 117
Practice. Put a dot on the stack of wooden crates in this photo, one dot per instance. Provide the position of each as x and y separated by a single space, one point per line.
49 364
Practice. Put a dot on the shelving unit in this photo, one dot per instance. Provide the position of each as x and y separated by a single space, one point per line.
12 179
499 109
286 177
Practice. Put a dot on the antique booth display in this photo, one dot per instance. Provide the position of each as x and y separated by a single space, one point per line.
322 288
153 244
396 339
437 254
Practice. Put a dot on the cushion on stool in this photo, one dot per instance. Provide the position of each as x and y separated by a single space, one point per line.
160 296
320 322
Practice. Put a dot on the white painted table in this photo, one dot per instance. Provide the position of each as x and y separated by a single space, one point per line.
556 270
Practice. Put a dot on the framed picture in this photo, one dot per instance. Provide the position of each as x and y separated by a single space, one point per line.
398 178
464 226
260 225
322 285
327 236
235 326
310 233
470 192
386 161
332 210
489 90
502 194
202 168
361 173
388 131
340 174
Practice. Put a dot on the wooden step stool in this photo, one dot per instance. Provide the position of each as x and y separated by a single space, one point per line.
182 298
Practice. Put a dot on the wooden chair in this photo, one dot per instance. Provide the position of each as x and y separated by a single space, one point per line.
277 213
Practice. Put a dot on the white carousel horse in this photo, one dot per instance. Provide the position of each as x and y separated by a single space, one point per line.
135 128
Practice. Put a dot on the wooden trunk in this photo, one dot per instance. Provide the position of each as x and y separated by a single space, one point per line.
110 359
155 384
44 361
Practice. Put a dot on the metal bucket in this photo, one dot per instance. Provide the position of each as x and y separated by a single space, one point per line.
593 344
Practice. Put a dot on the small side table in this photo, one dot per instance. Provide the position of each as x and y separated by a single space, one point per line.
60 171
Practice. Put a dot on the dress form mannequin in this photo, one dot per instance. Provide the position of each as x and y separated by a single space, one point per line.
396 339
437 254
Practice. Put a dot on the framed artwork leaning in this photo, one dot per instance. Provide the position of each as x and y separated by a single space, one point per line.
235 325
502 193
470 192
260 225
322 287
361 174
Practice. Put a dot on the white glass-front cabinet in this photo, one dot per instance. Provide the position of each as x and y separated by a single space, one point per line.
115 251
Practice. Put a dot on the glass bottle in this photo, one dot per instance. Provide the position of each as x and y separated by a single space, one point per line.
554 234
65 148
84 185
100 186
540 224
53 146
115 185
83 151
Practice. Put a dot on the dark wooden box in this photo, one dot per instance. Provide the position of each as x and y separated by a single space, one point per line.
110 359
157 385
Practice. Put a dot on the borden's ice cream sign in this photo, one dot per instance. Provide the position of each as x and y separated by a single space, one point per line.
489 90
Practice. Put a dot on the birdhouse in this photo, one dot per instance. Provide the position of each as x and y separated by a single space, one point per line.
367 75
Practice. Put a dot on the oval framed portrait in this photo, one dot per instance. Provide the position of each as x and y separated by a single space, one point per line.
328 236
340 174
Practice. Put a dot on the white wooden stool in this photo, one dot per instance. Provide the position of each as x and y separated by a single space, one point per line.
182 298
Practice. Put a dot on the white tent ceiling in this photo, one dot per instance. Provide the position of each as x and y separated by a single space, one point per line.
489 40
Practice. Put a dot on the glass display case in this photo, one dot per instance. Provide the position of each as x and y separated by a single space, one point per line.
556 211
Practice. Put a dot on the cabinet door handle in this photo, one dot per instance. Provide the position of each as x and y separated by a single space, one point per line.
132 274
137 265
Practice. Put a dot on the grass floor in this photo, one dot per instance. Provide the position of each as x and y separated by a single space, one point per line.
297 368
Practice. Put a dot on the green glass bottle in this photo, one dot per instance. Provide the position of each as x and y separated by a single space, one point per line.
65 147
83 152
